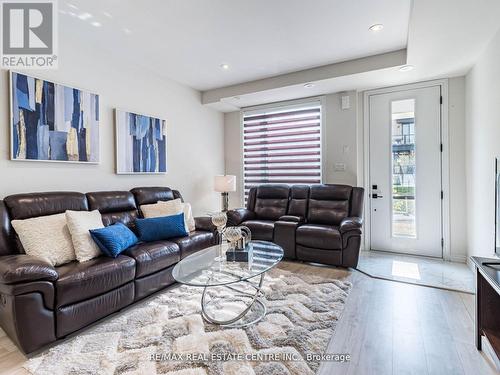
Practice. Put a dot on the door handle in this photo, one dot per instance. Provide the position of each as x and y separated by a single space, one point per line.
376 196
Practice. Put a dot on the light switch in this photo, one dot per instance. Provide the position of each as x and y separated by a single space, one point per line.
346 149
345 102
339 167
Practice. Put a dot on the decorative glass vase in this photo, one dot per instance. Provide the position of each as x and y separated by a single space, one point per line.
219 220
233 234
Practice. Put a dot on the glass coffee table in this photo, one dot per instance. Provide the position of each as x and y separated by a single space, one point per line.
241 303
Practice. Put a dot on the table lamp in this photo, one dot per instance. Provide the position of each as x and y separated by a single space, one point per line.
224 184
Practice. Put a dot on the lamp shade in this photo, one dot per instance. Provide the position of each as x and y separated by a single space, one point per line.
225 183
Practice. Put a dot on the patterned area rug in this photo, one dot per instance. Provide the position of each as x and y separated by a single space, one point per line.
155 337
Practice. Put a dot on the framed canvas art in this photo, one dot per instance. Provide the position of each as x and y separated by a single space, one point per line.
52 122
141 143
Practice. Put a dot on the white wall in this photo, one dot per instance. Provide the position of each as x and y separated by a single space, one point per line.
233 146
340 143
339 130
195 132
482 146
458 210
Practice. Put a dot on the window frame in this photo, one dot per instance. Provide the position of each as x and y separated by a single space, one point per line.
282 106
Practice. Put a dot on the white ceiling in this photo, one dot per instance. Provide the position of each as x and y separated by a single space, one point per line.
188 40
445 38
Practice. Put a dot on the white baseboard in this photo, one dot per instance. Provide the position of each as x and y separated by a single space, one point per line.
471 265
458 258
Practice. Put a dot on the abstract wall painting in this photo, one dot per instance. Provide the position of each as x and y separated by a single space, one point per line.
53 122
141 144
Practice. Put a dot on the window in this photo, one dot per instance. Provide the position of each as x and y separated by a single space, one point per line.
282 145
403 168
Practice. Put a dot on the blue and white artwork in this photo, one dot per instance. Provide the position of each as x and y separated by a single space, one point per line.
141 143
53 122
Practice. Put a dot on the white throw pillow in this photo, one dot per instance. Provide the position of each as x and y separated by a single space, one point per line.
46 237
168 208
162 208
188 217
79 224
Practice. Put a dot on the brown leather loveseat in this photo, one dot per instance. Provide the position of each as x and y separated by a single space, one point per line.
313 223
40 304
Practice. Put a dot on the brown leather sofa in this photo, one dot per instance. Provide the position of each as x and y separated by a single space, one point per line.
313 223
40 304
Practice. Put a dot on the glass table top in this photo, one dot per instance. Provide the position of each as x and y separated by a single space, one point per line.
202 268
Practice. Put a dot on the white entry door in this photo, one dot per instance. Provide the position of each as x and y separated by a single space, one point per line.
405 171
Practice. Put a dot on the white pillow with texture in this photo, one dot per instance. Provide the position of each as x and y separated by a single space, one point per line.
46 237
162 208
168 208
188 217
79 224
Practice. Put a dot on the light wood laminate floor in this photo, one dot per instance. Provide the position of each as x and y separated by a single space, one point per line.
387 327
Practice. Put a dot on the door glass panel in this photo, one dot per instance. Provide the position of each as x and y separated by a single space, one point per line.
403 168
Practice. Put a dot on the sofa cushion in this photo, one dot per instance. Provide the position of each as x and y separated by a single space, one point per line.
79 281
25 206
328 204
114 206
299 197
261 229
319 236
271 201
151 257
195 241
152 194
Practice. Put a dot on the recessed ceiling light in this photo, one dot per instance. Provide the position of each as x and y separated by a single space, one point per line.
96 24
224 66
309 85
376 27
85 16
107 14
127 31
72 14
406 68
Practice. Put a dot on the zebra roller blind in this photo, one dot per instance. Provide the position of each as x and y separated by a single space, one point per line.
282 145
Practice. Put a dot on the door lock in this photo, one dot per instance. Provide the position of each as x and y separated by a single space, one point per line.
376 196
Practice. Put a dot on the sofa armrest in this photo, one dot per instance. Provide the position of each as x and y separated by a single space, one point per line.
351 224
204 223
291 218
25 268
238 216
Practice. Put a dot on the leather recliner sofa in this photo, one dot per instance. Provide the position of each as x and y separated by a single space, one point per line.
313 223
40 304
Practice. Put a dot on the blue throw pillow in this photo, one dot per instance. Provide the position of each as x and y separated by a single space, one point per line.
114 239
161 228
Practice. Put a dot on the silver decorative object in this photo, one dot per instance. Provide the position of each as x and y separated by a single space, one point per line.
233 234
246 237
219 219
